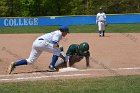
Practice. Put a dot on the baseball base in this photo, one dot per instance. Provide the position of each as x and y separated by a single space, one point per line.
68 69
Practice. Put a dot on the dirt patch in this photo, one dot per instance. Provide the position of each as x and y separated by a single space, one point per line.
116 50
0 60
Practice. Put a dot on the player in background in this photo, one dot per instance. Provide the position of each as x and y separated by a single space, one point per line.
75 53
101 22
48 42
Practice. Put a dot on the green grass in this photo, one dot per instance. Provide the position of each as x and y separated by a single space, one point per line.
124 28
121 84
113 28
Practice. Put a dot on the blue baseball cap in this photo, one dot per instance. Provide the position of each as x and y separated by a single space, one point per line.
64 29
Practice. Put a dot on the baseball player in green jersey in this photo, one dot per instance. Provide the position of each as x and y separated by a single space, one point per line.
75 53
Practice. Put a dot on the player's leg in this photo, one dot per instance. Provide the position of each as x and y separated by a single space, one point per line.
56 52
62 61
32 58
99 28
103 32
52 64
35 53
103 29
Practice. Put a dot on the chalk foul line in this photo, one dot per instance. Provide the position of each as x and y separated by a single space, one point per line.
56 76
41 77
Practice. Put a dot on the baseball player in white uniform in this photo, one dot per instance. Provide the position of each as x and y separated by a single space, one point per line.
48 42
101 22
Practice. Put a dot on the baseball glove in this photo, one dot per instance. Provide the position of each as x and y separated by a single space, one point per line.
61 48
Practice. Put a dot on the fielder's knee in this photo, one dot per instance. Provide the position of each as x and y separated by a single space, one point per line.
30 61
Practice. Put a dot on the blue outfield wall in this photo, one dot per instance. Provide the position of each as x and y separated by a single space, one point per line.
123 19
67 20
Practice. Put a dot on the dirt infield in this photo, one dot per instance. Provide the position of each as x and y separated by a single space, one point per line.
113 55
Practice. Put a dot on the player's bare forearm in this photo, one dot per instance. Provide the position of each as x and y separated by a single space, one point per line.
87 61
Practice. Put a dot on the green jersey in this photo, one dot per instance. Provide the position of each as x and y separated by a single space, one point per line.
75 50
72 50
77 53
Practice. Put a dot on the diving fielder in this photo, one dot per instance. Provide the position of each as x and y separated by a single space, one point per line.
75 53
101 22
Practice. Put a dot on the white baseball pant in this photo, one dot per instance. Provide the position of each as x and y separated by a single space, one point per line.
38 47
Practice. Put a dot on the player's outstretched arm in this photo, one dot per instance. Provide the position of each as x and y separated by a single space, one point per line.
87 60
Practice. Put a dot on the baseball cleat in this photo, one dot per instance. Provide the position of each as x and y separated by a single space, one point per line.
52 69
100 35
11 67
